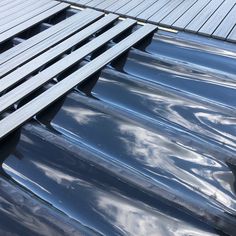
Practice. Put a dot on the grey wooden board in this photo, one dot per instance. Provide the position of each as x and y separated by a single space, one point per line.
117 5
189 15
46 75
22 72
146 14
196 16
213 22
21 6
25 14
31 22
129 6
94 3
203 16
139 8
177 12
11 5
167 9
41 37
20 116
5 2
105 4
225 27
82 2
56 38
232 35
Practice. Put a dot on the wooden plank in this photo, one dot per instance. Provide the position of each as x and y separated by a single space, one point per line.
34 10
129 6
22 72
29 43
189 15
117 5
50 42
51 72
94 3
153 9
20 116
13 10
224 29
167 9
232 35
31 9
6 2
203 16
141 7
82 2
106 4
214 21
31 22
177 12
11 5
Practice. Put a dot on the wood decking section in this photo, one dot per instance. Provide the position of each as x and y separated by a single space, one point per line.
55 43
213 18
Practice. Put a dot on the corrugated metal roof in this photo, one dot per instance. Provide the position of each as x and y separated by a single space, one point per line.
145 146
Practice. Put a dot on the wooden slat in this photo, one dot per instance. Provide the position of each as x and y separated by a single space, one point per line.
106 4
30 85
232 35
22 72
189 15
7 7
177 12
31 22
196 16
94 3
224 29
20 116
13 10
29 43
146 14
82 2
117 5
141 7
85 19
213 22
203 16
34 10
5 2
129 6
167 9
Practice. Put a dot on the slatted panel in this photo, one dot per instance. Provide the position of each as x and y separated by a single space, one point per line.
41 37
40 102
129 6
224 29
204 15
196 16
232 35
187 17
105 4
177 12
44 12
150 11
16 10
139 8
213 22
22 72
81 20
165 11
